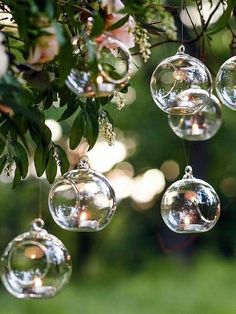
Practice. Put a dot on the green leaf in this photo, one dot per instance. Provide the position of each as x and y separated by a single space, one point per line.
65 57
77 130
64 95
41 155
119 23
3 161
17 176
109 117
48 101
2 146
72 106
98 25
20 123
22 158
91 129
40 134
223 21
64 162
51 169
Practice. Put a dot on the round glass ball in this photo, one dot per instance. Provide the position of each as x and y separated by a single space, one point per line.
201 126
190 206
82 200
35 264
225 83
181 85
114 69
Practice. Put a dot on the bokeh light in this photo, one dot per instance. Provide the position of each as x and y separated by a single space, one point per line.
170 168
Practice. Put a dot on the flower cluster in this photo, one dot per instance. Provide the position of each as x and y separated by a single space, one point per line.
142 40
106 128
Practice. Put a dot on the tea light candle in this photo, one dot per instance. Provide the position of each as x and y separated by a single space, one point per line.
87 223
38 288
196 130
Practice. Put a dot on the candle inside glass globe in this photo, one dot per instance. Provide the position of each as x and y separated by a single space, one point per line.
181 84
35 264
82 200
201 126
226 83
190 205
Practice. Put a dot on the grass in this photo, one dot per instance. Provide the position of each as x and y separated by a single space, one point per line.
166 286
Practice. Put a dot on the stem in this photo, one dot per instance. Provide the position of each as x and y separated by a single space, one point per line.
62 2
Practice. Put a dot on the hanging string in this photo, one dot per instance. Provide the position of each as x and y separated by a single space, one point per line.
186 154
187 151
182 24
40 200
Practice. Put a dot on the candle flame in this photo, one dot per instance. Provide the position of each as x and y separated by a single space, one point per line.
179 75
34 252
37 282
83 216
99 79
195 127
186 220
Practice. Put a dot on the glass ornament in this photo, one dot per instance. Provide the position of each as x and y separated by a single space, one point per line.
190 205
35 264
181 84
225 83
113 73
82 200
201 126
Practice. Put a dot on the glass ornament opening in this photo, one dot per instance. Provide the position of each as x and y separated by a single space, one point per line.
201 126
82 200
181 84
35 264
190 205
113 73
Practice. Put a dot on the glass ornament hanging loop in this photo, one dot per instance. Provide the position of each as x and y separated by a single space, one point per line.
113 69
35 264
190 205
181 84
82 199
201 126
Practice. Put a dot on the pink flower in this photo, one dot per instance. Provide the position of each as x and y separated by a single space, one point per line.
123 33
6 109
112 5
45 49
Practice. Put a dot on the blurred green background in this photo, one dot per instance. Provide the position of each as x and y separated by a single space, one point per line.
136 265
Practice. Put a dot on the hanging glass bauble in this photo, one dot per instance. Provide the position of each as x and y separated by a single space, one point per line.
225 83
190 205
35 264
181 84
82 200
113 73
201 126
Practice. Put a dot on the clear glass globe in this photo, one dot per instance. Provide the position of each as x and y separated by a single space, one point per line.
82 200
190 205
181 84
201 126
35 264
225 83
114 68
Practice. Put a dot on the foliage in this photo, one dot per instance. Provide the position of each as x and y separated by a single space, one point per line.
44 40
